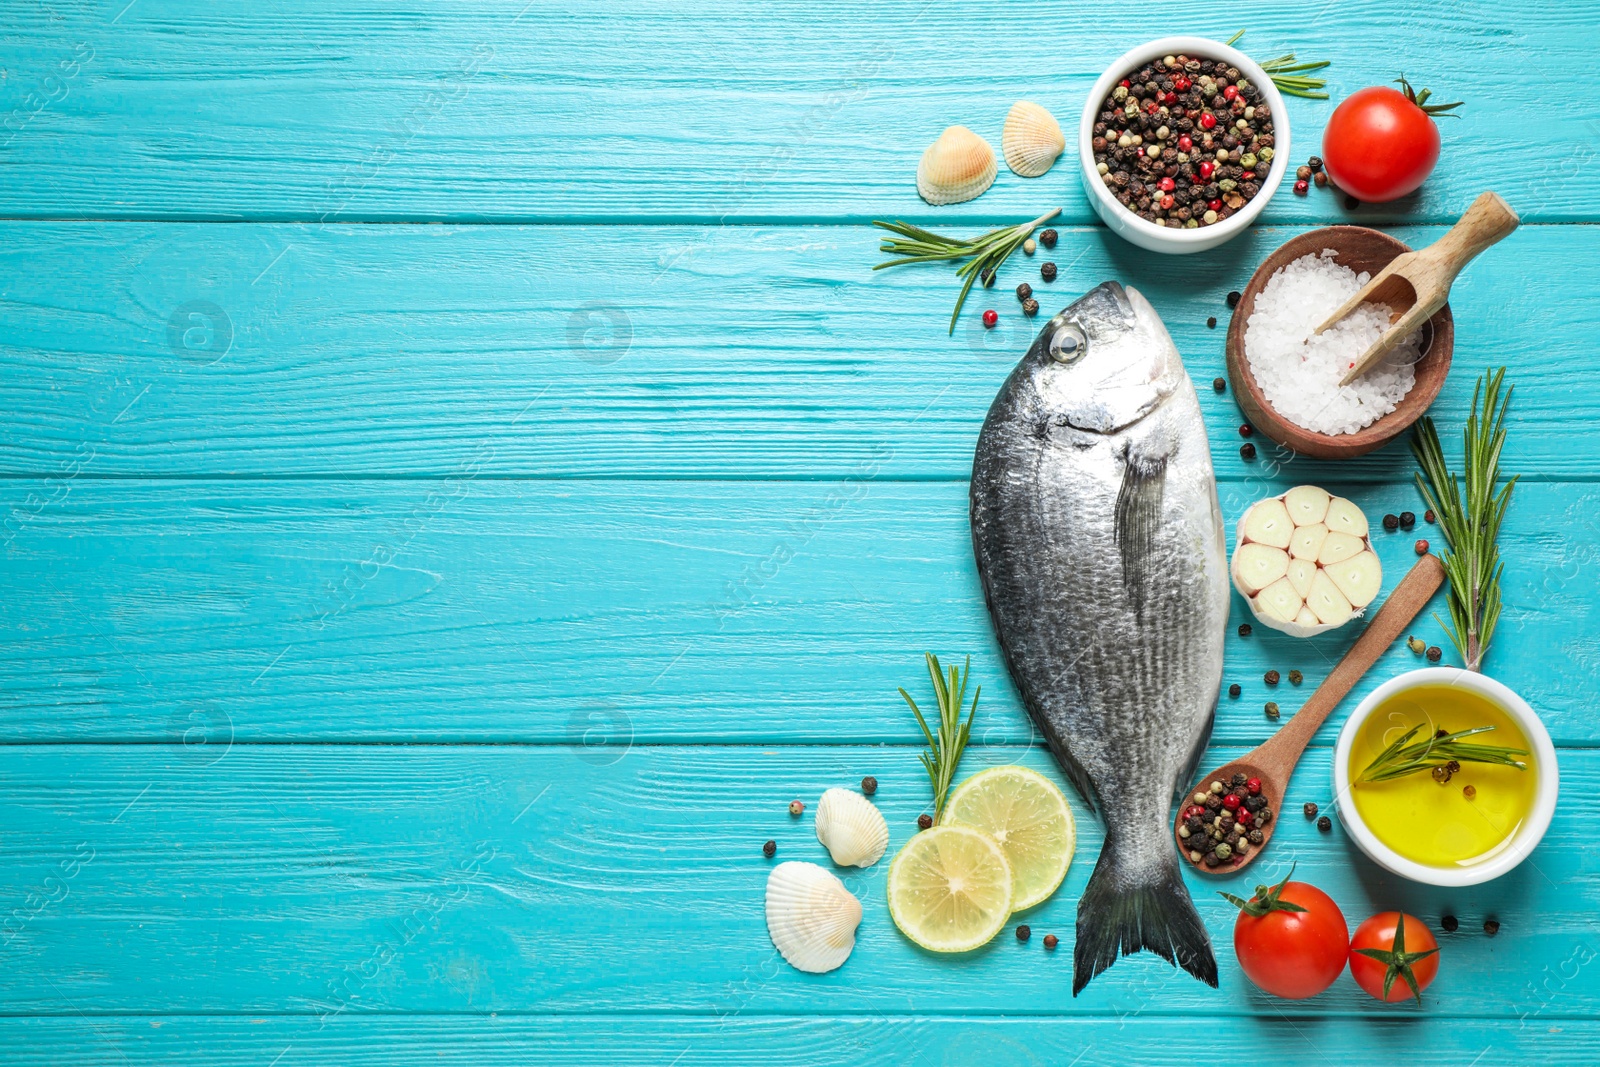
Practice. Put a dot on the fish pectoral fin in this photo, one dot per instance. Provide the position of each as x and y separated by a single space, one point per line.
1138 516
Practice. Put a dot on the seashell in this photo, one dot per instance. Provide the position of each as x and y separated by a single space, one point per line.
956 167
851 828
811 916
1031 140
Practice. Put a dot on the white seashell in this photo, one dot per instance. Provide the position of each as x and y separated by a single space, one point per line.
811 916
851 828
1032 139
956 167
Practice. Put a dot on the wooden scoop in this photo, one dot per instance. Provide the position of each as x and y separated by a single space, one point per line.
1273 761
1416 284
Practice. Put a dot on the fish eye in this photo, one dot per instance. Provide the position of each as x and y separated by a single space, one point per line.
1068 344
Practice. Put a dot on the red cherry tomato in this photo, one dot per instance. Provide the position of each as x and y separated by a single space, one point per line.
1379 952
1288 953
1382 143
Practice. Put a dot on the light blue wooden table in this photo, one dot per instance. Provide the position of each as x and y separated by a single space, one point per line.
462 479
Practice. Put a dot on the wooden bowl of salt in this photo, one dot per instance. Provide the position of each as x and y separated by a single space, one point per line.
1360 249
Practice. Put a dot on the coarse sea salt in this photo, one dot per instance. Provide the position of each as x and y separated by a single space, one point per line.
1299 373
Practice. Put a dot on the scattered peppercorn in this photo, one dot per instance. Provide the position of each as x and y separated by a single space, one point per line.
1491 927
1408 519
1300 188
1023 933
796 807
1434 653
1311 810
1029 247
1271 677
1315 163
1469 791
1324 824
1050 942
1320 180
1303 172
1247 450
1219 384
1024 291
1030 307
1245 629
1422 547
1391 522
1245 429
869 785
1047 271
1429 516
769 849
1449 924
1047 238
990 317
1211 323
924 821
1272 709
986 276
1351 203
1233 298
1234 690
1295 677
1417 645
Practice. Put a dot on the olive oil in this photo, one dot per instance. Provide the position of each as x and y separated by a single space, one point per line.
1443 825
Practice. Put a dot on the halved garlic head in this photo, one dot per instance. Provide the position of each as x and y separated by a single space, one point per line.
1304 561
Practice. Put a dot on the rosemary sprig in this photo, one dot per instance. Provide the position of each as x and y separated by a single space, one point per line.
987 252
1405 757
1290 77
1469 514
945 748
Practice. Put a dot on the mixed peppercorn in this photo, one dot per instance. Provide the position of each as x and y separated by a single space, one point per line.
1222 824
1179 141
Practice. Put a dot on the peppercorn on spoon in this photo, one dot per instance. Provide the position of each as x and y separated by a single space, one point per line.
1417 284
1272 763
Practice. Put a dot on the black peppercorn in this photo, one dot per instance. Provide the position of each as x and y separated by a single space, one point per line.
869 785
1311 810
1391 522
1219 384
1324 824
1030 307
1213 801
1271 677
1295 677
1434 653
1256 837
1047 271
1315 163
1211 323
1047 238
924 821
1408 519
1240 778
986 276
1255 802
769 849
1449 924
1245 629
1234 690
1024 291
1491 927
1233 298
1247 450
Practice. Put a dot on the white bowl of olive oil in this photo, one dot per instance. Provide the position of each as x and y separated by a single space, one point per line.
1431 823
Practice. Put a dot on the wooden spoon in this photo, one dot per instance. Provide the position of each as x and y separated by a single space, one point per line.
1417 284
1274 760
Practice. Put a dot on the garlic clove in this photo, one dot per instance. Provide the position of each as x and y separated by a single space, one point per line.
1307 504
1345 517
1326 602
1300 573
1280 600
1307 541
1339 547
1305 618
1268 523
1257 566
1359 578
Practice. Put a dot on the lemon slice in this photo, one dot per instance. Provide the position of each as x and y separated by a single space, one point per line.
950 889
1028 818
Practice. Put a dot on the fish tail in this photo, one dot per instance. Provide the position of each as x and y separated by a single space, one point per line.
1124 910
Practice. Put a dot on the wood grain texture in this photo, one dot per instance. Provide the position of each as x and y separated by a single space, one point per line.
703 113
749 1038
451 352
490 610
333 880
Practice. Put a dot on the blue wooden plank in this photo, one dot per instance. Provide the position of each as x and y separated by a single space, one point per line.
333 880
458 352
509 110
741 1038
552 611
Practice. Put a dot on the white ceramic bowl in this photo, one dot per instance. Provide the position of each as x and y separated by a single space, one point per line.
1532 829
1147 234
